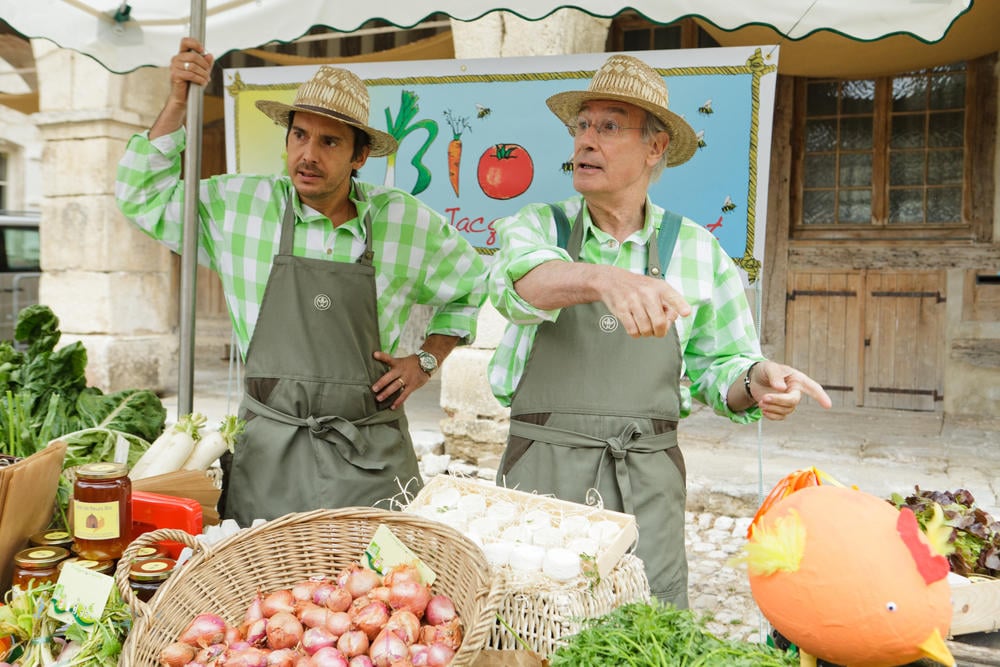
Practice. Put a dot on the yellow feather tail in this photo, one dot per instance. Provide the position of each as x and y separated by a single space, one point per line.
777 547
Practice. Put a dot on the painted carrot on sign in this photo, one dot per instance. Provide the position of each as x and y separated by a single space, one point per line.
458 125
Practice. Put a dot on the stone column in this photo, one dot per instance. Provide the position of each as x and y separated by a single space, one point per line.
113 288
476 427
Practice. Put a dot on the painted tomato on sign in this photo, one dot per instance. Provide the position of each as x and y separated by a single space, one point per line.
505 171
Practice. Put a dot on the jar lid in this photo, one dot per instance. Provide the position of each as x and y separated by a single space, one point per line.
102 566
36 557
102 470
51 538
152 569
146 553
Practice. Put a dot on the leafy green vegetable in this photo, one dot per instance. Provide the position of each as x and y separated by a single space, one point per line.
651 634
399 129
44 396
975 534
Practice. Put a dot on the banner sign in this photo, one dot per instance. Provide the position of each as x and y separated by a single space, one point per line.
477 142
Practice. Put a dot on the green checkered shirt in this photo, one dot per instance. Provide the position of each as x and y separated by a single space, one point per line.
419 257
718 340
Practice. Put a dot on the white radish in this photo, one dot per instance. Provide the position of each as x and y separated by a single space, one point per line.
215 443
169 451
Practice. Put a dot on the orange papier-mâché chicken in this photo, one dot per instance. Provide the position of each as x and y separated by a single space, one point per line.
847 577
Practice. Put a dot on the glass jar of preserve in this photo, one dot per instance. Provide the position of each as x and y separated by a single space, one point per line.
145 576
101 511
38 565
102 566
52 538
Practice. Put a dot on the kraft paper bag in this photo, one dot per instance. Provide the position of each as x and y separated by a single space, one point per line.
27 498
490 657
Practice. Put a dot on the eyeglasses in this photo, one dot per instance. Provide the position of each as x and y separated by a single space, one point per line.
606 128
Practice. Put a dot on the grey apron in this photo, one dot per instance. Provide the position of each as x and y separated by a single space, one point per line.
596 408
315 437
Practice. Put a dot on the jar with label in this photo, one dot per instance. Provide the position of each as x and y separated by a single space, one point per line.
38 565
101 511
52 538
145 576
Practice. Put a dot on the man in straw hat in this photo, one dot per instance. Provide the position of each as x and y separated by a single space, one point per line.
611 300
320 273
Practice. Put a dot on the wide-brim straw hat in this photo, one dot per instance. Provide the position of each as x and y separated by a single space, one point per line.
628 79
336 93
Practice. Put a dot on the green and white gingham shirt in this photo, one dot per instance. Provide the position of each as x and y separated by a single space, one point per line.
718 340
419 257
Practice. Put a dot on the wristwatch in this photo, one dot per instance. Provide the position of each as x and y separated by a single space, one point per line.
428 362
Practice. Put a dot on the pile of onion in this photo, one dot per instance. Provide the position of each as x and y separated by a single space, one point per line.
357 619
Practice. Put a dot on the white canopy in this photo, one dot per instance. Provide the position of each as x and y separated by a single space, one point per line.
124 36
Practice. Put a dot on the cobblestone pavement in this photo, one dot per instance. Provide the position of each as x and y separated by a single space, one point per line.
715 589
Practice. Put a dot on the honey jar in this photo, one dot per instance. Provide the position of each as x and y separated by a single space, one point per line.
52 538
38 565
101 511
145 576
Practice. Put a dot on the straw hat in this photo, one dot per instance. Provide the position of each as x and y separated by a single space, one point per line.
338 94
629 79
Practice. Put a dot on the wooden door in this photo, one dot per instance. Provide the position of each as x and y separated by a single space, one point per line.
823 331
904 341
872 339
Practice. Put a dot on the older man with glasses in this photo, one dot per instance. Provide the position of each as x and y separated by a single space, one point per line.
611 300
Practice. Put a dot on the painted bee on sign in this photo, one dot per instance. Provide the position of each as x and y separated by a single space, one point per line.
706 108
566 167
728 205
700 136
482 112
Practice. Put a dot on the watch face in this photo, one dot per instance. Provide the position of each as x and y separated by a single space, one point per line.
427 361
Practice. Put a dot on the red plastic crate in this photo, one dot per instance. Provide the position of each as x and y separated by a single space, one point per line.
152 511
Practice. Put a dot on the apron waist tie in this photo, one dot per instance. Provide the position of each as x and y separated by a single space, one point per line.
342 433
618 446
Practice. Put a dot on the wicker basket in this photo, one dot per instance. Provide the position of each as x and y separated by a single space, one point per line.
224 578
542 617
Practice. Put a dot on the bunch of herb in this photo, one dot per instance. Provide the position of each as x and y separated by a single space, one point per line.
39 639
652 634
974 533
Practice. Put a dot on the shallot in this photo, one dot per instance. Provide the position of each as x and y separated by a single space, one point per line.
387 648
439 655
304 589
177 654
371 618
338 622
334 598
440 609
283 631
361 661
249 657
409 595
285 657
353 643
314 639
405 625
256 632
328 657
280 600
204 630
360 580
402 572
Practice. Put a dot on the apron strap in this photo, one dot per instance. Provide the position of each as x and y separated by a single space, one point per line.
342 433
619 446
286 244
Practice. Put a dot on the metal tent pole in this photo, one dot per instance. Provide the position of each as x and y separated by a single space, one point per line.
189 248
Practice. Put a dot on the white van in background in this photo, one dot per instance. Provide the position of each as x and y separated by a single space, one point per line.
19 267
